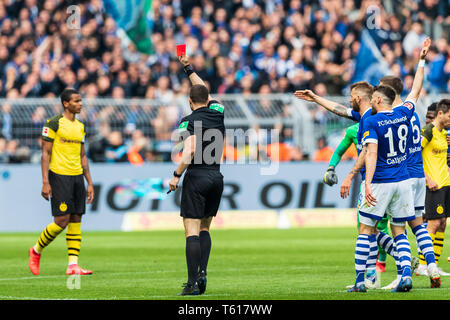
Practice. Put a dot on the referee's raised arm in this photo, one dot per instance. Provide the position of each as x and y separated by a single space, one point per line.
192 75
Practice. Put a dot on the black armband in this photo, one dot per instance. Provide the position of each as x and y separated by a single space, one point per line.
188 70
175 174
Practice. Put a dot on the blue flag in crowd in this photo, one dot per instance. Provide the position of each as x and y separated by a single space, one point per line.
131 16
370 65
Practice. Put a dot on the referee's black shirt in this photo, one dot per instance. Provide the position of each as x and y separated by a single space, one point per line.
207 124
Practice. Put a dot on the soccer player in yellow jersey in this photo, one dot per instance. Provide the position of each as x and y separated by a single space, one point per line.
437 174
64 164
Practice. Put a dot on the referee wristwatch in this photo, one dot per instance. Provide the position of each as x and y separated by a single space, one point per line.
175 174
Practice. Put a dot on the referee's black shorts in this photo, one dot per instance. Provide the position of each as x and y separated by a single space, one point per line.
437 203
68 194
201 193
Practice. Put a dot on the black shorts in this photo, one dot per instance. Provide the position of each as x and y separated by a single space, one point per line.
68 194
437 203
201 193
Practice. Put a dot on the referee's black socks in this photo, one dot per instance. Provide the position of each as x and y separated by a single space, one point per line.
193 257
205 245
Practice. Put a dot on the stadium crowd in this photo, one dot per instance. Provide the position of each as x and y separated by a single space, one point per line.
237 46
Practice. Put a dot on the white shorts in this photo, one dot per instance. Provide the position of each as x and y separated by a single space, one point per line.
419 190
395 198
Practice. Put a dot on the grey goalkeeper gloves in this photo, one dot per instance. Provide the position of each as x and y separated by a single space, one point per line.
330 177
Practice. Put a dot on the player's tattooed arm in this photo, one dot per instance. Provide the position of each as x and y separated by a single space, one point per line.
331 106
87 174
359 162
347 183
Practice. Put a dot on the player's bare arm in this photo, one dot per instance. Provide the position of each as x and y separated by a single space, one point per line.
87 175
47 146
432 185
420 73
359 164
186 159
371 164
331 106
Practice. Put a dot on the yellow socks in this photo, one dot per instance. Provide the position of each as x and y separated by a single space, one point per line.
73 239
48 235
438 245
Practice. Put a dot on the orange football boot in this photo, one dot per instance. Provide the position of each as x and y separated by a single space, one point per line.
76 269
33 262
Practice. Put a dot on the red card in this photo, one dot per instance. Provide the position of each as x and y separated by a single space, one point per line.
181 49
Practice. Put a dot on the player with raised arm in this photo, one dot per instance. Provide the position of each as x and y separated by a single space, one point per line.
64 167
389 139
382 238
360 97
203 134
387 187
417 179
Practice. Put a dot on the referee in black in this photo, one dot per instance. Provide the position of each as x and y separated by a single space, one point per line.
203 133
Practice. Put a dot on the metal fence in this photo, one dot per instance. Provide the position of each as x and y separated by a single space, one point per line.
300 122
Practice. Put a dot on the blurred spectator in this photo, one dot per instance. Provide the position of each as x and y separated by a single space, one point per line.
324 152
17 154
116 151
279 152
39 117
296 154
136 152
3 154
437 77
414 38
230 153
7 121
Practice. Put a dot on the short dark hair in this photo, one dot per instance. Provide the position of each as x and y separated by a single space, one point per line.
66 95
432 107
364 87
387 92
394 82
199 93
443 105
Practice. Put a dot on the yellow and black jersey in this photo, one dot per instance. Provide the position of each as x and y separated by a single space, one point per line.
434 152
67 137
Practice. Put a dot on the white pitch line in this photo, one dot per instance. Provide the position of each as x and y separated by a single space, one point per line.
146 272
31 298
29 278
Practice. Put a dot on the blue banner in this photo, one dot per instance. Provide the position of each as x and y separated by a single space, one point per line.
370 65
131 16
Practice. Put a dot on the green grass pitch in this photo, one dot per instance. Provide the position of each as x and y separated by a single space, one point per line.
308 263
